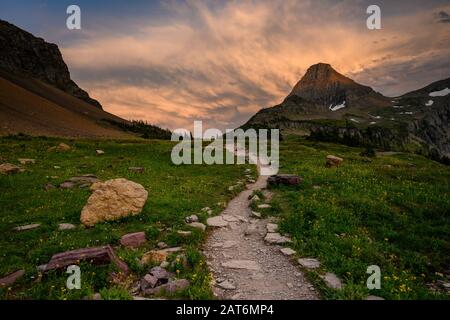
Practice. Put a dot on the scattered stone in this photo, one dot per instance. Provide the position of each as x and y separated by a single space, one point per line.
226 285
248 171
255 198
197 225
160 273
272 227
256 214
241 264
230 188
289 285
251 230
97 296
149 281
84 180
229 244
66 226
99 152
264 206
162 245
56 167
112 200
331 280
190 219
26 161
28 227
333 161
276 238
62 147
49 186
176 285
285 179
374 298
8 168
217 222
229 218
11 278
95 255
158 256
206 209
251 181
287 251
309 263
133 240
184 233
136 169
164 264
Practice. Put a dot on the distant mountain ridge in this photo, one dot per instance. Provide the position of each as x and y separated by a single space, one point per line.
327 105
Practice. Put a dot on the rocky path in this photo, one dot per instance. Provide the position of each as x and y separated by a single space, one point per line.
244 266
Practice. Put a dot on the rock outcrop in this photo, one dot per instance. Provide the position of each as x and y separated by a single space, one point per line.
112 200
28 56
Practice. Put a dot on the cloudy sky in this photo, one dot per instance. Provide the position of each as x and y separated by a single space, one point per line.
175 61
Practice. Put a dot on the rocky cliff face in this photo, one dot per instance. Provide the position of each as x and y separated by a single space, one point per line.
23 54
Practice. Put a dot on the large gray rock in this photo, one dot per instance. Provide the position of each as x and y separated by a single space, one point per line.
112 200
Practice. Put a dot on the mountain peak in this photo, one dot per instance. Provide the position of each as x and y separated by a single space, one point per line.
324 85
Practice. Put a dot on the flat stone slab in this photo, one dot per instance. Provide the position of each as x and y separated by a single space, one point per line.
276 238
66 226
256 214
229 218
197 225
286 179
264 206
133 240
309 263
27 227
331 280
287 251
11 278
226 285
242 264
272 227
95 255
217 222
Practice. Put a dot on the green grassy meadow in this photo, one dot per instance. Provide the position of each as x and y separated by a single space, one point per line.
174 193
391 210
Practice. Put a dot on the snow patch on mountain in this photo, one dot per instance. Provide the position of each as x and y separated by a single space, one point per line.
441 93
337 107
